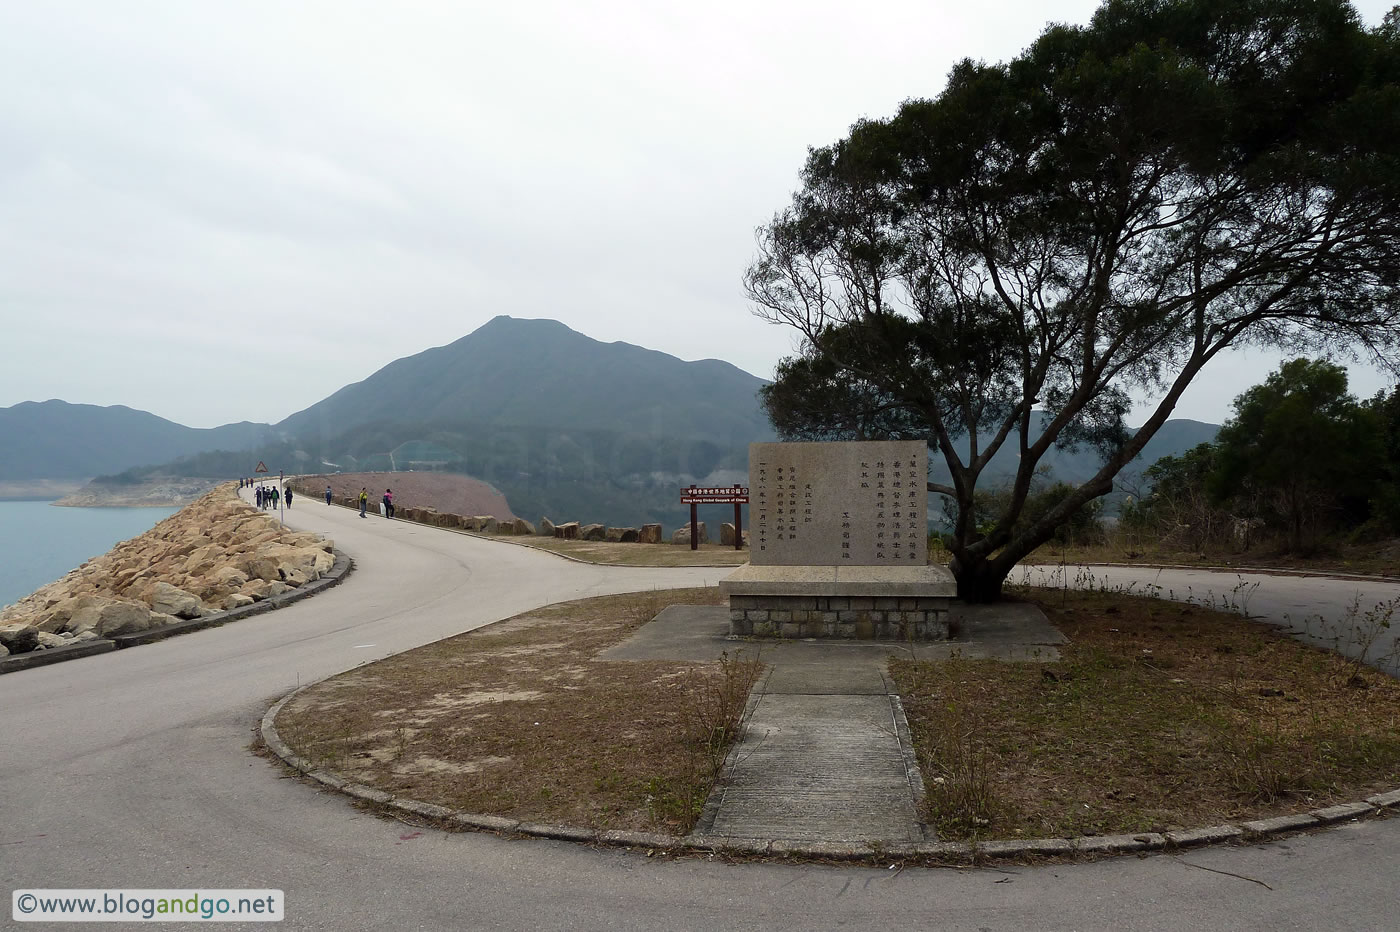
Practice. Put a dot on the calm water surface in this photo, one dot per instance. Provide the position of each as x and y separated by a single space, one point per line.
39 542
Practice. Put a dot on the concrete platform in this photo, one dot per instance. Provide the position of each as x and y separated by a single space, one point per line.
1017 631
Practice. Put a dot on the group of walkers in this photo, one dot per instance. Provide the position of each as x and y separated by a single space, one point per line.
388 500
269 497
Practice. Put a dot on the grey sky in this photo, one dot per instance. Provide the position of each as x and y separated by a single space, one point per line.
219 212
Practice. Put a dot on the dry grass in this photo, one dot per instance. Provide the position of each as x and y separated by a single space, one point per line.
1370 559
638 554
518 719
1157 716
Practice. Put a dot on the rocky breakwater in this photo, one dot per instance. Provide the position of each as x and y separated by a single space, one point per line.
213 555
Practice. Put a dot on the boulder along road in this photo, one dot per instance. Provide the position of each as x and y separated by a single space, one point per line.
133 770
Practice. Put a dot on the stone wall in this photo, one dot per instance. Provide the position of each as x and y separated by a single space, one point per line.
917 618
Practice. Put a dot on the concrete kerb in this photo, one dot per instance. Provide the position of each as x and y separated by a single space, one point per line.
339 570
934 853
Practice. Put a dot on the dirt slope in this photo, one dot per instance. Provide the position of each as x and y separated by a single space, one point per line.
447 492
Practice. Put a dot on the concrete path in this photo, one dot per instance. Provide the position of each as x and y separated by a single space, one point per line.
132 770
822 765
826 754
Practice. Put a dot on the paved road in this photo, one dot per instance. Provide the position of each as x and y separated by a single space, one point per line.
131 770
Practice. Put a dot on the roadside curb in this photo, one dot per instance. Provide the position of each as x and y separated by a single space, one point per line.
931 853
339 570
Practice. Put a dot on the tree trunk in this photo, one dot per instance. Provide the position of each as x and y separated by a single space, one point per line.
978 579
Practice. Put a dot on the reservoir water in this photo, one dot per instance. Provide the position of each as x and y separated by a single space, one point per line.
39 542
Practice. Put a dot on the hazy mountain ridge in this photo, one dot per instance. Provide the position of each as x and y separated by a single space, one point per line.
57 440
562 424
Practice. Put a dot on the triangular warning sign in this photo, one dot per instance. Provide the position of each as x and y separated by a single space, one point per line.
262 467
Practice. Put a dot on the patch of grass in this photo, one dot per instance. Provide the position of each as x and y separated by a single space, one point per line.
1157 715
636 554
1368 558
519 719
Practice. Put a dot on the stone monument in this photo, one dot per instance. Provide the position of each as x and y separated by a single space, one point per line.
839 545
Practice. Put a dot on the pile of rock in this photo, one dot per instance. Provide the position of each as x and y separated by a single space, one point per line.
218 553
572 530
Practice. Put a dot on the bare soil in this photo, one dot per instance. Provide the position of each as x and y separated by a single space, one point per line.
449 493
518 719
1157 716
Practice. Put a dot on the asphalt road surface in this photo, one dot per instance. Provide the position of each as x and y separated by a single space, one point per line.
131 770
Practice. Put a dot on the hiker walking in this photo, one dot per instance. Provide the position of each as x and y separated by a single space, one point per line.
328 496
388 503
364 500
289 496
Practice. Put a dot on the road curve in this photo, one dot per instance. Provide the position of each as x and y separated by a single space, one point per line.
132 770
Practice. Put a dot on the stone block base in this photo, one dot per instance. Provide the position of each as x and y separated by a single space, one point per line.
882 618
857 602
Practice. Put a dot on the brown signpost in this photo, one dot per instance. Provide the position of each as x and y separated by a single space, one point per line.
736 495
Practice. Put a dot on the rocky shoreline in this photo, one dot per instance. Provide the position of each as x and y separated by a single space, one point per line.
216 554
166 492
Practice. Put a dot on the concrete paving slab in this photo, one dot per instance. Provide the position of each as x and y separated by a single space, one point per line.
834 677
680 632
1015 631
819 768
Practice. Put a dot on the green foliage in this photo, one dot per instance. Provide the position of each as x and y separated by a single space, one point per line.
1299 449
1109 211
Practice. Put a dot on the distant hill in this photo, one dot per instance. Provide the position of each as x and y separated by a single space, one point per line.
58 440
1081 463
539 373
562 424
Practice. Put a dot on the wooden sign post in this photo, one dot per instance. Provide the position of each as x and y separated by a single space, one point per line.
736 495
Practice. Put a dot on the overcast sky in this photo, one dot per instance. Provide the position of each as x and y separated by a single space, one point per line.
219 212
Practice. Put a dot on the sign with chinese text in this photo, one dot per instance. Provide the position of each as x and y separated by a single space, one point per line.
834 504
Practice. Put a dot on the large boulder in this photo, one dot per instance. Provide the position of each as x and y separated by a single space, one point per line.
170 600
261 567
486 524
505 526
19 638
119 618
726 535
567 531
682 535
593 532
622 535
256 589
546 527
57 618
229 576
524 528
47 640
649 534
236 600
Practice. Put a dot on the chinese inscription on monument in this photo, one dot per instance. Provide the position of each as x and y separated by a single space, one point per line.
825 504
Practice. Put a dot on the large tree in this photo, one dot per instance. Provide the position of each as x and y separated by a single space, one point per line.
1105 214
